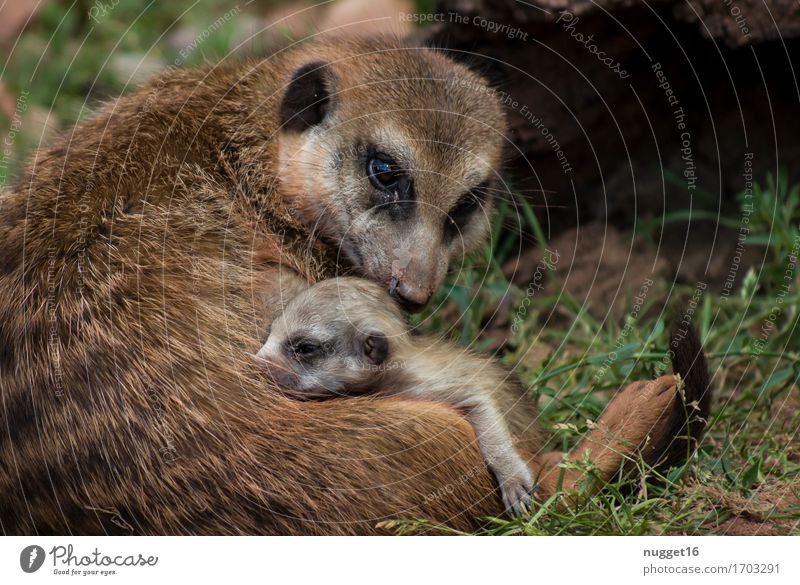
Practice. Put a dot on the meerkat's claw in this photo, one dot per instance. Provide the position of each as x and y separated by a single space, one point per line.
518 503
517 492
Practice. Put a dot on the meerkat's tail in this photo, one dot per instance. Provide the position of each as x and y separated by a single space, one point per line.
689 413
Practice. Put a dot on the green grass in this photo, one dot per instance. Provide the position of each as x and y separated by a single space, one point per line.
71 57
750 456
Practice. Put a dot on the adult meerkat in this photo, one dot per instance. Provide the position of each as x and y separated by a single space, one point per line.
345 337
139 252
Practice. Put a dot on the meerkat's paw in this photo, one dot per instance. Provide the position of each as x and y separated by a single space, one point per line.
517 487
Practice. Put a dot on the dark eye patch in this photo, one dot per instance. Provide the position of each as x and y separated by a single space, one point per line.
305 349
465 207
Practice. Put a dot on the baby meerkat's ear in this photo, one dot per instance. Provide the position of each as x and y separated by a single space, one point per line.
376 347
308 97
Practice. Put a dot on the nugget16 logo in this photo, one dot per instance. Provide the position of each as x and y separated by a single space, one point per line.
31 558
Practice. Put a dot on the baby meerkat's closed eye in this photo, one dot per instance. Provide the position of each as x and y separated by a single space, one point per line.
304 350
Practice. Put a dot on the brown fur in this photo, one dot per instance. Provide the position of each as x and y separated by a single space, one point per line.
346 337
131 303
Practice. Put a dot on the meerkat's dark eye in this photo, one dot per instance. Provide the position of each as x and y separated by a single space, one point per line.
466 206
383 173
394 188
304 350
462 210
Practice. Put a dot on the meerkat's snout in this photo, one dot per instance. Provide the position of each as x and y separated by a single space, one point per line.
411 297
415 277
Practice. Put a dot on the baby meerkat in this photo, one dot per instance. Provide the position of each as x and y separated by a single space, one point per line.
346 337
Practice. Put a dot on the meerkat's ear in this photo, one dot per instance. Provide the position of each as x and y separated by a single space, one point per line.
307 99
375 346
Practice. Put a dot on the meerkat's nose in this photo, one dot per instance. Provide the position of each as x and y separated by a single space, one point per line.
412 298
